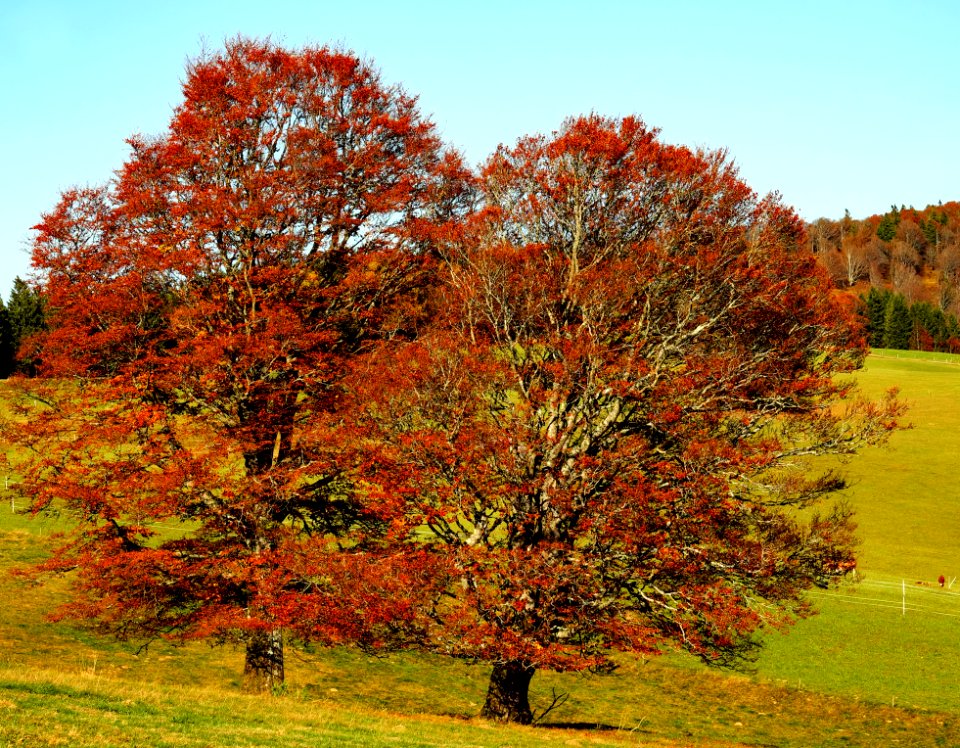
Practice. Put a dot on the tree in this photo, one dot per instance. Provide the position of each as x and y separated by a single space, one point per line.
825 236
887 229
205 306
948 264
897 324
8 347
904 280
605 429
875 308
847 264
27 315
931 328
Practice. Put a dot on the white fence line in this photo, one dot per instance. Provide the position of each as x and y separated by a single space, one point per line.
950 607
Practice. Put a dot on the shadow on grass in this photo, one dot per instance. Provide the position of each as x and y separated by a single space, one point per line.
587 726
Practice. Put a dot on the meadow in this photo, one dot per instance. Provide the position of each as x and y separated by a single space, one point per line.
877 666
892 637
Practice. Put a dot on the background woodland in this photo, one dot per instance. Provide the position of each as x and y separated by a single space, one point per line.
902 269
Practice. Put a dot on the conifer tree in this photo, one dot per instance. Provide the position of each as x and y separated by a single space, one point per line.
7 343
27 317
875 310
897 325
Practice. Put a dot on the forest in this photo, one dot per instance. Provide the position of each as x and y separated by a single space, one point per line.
902 270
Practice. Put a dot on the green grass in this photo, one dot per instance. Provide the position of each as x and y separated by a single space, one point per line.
907 502
46 708
860 674
949 358
905 495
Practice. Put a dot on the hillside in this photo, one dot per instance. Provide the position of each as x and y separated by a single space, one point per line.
912 252
875 668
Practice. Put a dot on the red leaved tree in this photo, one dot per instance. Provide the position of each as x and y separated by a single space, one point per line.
203 309
606 429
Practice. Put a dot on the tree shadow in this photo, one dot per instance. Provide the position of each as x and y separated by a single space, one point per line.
590 726
559 725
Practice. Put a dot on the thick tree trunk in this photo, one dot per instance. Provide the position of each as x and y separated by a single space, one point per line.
263 669
507 696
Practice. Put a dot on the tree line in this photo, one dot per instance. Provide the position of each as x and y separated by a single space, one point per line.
892 322
915 253
525 414
905 262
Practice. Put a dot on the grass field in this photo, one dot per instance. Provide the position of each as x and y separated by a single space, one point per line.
863 673
907 501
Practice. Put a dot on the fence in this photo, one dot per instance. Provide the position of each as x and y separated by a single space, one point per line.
918 597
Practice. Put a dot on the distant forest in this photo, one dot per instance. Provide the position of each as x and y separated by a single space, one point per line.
903 269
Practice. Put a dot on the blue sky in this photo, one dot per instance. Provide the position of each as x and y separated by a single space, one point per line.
837 105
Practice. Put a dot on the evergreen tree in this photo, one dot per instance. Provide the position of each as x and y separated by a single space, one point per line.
27 316
932 327
890 323
887 229
897 324
930 231
8 346
874 309
928 326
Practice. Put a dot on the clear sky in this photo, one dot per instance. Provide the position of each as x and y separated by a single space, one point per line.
835 104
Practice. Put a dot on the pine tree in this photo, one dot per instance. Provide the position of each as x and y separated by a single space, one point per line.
875 308
27 315
887 229
8 347
898 326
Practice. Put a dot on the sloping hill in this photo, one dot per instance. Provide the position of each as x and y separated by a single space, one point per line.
862 673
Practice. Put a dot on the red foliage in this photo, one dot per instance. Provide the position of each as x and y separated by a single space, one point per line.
209 300
603 427
295 380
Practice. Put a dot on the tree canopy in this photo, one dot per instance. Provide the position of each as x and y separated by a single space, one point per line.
605 430
208 300
563 406
907 252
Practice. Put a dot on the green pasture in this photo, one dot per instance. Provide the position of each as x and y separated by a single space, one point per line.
907 495
876 667
892 638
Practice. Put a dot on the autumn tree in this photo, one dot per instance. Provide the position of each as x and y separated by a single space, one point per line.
604 432
203 307
904 279
824 236
948 265
847 264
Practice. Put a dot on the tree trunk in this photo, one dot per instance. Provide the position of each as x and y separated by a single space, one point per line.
263 669
507 696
